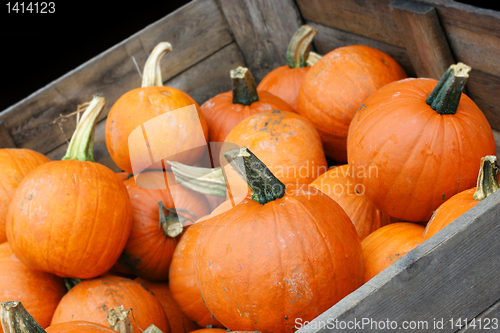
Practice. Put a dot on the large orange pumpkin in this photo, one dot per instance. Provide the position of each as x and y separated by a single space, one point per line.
388 244
91 299
224 111
458 204
149 248
338 184
172 134
71 217
285 81
271 257
410 157
79 327
14 165
182 280
287 143
39 292
337 85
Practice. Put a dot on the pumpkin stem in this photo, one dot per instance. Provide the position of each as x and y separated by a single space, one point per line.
173 223
151 75
81 146
15 319
487 182
152 329
299 47
264 186
446 95
204 180
71 282
244 88
313 58
118 319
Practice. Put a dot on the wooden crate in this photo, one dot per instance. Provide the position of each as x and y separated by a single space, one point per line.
455 273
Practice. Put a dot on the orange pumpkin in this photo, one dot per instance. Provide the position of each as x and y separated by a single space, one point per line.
91 299
286 142
460 203
79 327
276 248
224 111
338 184
416 142
149 248
179 323
388 244
14 165
138 106
336 86
182 280
71 217
39 292
285 81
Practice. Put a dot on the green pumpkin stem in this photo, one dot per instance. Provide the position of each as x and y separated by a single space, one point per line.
172 223
487 182
71 282
244 87
300 46
151 76
264 186
81 146
203 180
119 320
445 97
15 319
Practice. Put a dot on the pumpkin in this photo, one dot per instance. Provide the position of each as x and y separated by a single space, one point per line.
91 299
458 204
182 280
14 165
285 81
386 245
415 143
337 85
274 249
211 330
287 143
79 327
149 248
71 217
338 184
137 108
39 292
124 175
179 323
226 110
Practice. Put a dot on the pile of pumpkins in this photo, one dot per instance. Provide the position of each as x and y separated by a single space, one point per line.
342 165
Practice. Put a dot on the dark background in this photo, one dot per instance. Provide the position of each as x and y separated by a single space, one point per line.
36 49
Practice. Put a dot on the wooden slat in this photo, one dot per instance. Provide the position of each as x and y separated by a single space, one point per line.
5 138
454 274
328 39
424 39
486 322
262 30
195 31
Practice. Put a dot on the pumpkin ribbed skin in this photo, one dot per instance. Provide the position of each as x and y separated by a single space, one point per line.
140 105
149 251
417 157
338 184
274 262
336 86
14 165
179 323
286 142
386 245
69 218
79 327
39 292
182 279
91 299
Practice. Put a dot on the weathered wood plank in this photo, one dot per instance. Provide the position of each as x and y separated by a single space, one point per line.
195 31
329 38
6 140
483 89
424 39
262 30
454 274
487 322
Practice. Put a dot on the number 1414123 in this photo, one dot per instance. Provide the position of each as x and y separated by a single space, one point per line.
31 7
